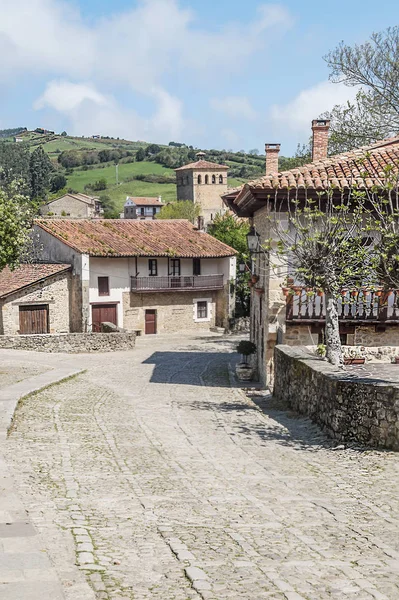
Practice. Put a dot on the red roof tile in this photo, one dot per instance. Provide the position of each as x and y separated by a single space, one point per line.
27 274
363 167
145 201
203 164
118 237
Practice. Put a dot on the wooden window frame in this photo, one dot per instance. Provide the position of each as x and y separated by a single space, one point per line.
101 291
173 263
152 272
196 266
200 309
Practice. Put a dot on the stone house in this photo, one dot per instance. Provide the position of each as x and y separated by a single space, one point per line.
278 316
75 206
35 298
142 208
154 276
203 182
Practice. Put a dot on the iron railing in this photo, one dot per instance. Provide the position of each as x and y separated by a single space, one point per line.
178 283
357 305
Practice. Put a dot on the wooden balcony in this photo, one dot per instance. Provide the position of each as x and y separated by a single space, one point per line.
184 283
359 306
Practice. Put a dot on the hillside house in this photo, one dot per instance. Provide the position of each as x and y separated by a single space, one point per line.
73 206
143 209
35 298
278 316
154 276
203 182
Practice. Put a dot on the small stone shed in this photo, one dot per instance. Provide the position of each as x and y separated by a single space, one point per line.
35 298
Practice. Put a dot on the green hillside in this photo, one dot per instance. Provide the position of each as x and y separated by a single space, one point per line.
143 169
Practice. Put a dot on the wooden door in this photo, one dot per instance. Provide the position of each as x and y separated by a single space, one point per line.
103 313
33 319
150 322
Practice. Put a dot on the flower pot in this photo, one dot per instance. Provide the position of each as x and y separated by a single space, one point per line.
255 278
259 291
320 293
354 361
244 372
286 292
378 293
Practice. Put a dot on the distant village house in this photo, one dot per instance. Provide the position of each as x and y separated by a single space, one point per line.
142 208
75 206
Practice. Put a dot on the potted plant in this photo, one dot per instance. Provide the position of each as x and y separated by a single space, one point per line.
254 278
244 371
354 356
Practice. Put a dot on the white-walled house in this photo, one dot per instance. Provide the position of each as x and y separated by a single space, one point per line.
154 276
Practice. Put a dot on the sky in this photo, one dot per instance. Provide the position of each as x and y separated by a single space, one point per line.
225 74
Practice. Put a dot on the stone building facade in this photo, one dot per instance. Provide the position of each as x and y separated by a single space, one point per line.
204 183
154 276
271 322
73 206
35 297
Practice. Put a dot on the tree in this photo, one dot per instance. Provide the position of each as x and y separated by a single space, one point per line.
152 149
57 182
99 185
233 231
69 159
322 242
15 223
40 168
373 66
14 164
140 155
181 209
64 134
108 205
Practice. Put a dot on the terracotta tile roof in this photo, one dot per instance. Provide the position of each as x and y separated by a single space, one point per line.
145 201
130 237
363 167
202 164
27 274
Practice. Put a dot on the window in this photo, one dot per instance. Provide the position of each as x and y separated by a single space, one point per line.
103 286
220 178
196 266
202 309
175 267
213 178
199 179
206 178
153 267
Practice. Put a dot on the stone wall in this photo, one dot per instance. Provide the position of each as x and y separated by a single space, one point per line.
363 411
175 310
362 335
55 292
72 343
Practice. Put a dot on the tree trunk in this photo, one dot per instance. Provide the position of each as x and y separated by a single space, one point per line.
333 341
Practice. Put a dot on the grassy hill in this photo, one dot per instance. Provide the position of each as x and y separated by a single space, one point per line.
81 176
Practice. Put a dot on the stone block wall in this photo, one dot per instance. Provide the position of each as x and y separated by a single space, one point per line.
71 343
175 310
55 291
363 411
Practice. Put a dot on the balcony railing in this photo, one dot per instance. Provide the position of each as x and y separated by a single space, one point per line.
174 284
360 305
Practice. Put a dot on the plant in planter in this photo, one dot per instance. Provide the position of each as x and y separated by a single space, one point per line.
244 371
354 356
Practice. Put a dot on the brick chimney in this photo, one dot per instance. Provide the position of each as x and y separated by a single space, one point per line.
320 129
272 152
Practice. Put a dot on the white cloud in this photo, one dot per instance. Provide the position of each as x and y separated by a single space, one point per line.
65 96
297 114
236 107
133 51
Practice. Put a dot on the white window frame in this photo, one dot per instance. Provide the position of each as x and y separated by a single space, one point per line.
209 311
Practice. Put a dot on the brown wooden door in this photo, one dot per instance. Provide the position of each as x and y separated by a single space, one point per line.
33 319
103 313
150 322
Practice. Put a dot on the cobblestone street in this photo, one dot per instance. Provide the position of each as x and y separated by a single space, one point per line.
162 481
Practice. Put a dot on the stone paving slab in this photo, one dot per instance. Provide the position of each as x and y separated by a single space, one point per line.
26 571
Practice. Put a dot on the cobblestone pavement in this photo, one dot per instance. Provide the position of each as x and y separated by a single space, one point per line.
170 484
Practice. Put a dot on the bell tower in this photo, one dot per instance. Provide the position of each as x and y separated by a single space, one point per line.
203 182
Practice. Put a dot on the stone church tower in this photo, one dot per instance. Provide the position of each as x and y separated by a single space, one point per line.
203 182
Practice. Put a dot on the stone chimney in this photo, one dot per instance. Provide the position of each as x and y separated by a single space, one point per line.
272 152
200 223
320 129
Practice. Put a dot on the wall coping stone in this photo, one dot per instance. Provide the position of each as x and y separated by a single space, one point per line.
71 343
